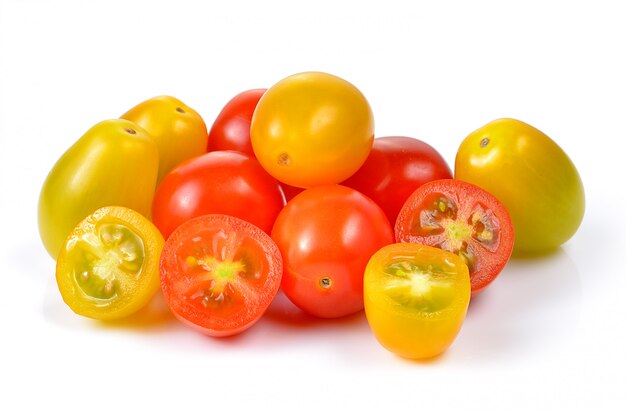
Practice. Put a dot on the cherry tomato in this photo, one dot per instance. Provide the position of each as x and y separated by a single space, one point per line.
395 167
531 175
180 132
219 274
113 163
109 265
416 298
461 218
326 235
312 129
231 129
222 182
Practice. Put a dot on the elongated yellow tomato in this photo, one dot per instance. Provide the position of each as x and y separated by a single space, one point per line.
531 175
312 129
179 131
108 267
416 298
113 163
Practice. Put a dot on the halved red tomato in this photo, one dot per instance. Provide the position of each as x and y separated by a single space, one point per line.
219 273
461 218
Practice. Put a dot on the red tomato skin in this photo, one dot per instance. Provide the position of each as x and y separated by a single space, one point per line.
396 166
329 231
221 182
231 129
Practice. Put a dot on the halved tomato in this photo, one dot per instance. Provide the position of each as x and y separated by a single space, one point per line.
219 273
108 267
461 218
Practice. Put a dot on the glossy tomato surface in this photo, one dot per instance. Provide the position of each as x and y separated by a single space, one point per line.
108 267
395 167
231 129
326 235
463 219
222 182
219 274
416 298
312 129
114 163
531 175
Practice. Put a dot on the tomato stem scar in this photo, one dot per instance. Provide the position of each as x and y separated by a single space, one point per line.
284 159
180 110
130 131
484 142
325 282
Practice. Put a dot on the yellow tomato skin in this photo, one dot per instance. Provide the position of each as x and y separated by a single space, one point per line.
422 329
179 131
531 175
312 129
113 163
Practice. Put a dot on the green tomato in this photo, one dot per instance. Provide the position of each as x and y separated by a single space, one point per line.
531 175
115 163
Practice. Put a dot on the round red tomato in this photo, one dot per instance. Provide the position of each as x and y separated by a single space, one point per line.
395 167
231 129
326 236
221 182
461 218
219 274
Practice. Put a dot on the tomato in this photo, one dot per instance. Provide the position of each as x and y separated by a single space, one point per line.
531 175
312 129
180 132
219 274
222 182
395 167
326 235
113 163
461 218
108 267
231 129
416 298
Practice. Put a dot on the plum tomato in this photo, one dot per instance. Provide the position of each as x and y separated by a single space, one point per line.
219 274
231 129
222 182
416 298
531 175
179 131
326 235
109 266
312 129
461 218
395 167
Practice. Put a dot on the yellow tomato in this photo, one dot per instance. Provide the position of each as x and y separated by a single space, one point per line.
531 175
109 265
312 129
416 298
179 130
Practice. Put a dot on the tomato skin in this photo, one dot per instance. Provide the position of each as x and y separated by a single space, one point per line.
221 182
326 235
114 163
395 167
231 129
409 330
179 131
531 175
312 129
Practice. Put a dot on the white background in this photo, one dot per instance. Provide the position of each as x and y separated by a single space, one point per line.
549 334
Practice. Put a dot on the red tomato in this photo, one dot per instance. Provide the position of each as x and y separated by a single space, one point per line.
461 218
222 182
219 274
395 167
231 129
326 236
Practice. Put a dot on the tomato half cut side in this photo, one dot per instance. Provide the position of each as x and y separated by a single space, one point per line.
461 218
219 273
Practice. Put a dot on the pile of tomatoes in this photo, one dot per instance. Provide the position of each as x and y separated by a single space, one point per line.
290 190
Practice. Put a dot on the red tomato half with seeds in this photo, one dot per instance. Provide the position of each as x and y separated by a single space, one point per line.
461 218
219 274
